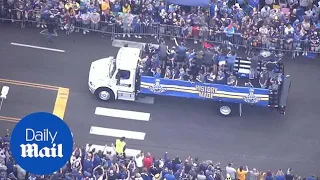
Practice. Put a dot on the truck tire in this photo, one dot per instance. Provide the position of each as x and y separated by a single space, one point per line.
104 94
225 109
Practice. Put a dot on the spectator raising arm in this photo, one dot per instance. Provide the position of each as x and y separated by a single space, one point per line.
231 171
128 175
98 172
176 42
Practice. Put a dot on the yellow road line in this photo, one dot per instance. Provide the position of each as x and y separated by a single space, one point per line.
61 102
29 84
9 119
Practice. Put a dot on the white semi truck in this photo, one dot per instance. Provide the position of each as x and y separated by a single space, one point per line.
115 78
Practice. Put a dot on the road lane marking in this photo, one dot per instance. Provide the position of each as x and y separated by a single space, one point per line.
29 84
124 114
61 102
129 152
117 133
38 47
9 119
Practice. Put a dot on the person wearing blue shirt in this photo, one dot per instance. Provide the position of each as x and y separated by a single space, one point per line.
317 24
181 49
178 174
253 4
10 165
312 177
221 77
191 55
162 6
77 174
144 174
157 73
229 30
269 176
92 8
155 62
213 7
117 7
122 174
280 175
169 176
216 58
171 8
96 161
88 165
231 59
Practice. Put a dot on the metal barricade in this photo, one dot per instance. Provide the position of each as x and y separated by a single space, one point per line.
139 30
101 27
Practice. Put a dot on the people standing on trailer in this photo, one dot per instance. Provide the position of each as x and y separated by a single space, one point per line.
231 59
254 63
163 53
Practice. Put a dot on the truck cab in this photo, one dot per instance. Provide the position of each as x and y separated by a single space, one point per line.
115 78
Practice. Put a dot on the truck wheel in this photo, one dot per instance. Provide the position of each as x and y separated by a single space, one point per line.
104 94
225 110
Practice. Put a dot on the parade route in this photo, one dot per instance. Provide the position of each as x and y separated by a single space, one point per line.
259 138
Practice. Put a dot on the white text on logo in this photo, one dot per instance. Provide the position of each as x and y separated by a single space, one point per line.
32 150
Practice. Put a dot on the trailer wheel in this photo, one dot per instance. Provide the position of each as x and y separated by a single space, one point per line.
225 110
104 94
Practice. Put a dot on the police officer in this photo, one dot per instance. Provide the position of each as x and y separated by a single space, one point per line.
120 147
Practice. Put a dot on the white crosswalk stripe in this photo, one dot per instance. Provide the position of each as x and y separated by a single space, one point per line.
124 114
118 133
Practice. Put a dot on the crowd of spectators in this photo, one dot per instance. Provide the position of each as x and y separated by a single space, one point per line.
88 163
283 24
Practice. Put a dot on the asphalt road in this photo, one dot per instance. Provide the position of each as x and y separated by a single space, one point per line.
260 138
23 100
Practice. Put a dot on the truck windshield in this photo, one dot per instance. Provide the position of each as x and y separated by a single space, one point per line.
112 68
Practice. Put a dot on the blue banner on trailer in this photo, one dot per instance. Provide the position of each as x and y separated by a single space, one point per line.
196 90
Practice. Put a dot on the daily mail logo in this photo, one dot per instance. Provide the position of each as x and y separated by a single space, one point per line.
41 143
33 150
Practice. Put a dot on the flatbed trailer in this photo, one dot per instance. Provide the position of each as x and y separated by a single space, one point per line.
119 78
